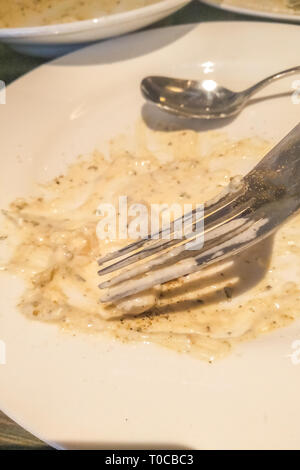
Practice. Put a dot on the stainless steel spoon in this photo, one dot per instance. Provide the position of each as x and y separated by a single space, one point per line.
201 99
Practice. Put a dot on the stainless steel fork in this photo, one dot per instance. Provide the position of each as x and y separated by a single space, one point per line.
242 216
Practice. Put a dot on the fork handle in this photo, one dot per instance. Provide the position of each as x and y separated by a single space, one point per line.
281 166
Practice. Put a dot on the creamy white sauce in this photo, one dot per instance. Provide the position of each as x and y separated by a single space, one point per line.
205 313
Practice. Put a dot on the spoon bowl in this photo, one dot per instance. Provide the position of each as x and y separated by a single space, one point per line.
192 99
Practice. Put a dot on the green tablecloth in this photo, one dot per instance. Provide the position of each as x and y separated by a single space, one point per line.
12 66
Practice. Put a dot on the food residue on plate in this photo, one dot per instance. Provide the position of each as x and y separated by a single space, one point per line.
27 13
204 314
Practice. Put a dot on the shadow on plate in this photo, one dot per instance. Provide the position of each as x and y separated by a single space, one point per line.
119 51
238 274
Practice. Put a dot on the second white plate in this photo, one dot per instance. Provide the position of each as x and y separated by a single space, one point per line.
57 39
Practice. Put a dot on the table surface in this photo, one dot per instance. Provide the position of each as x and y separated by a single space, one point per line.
12 66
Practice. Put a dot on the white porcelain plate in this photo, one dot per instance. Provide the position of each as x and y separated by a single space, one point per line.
86 392
276 9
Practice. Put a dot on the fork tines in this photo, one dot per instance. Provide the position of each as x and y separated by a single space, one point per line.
221 218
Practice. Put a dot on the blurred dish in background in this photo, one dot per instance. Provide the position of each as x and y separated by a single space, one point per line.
286 10
43 12
65 27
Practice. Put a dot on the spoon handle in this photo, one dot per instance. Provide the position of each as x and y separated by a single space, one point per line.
277 76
